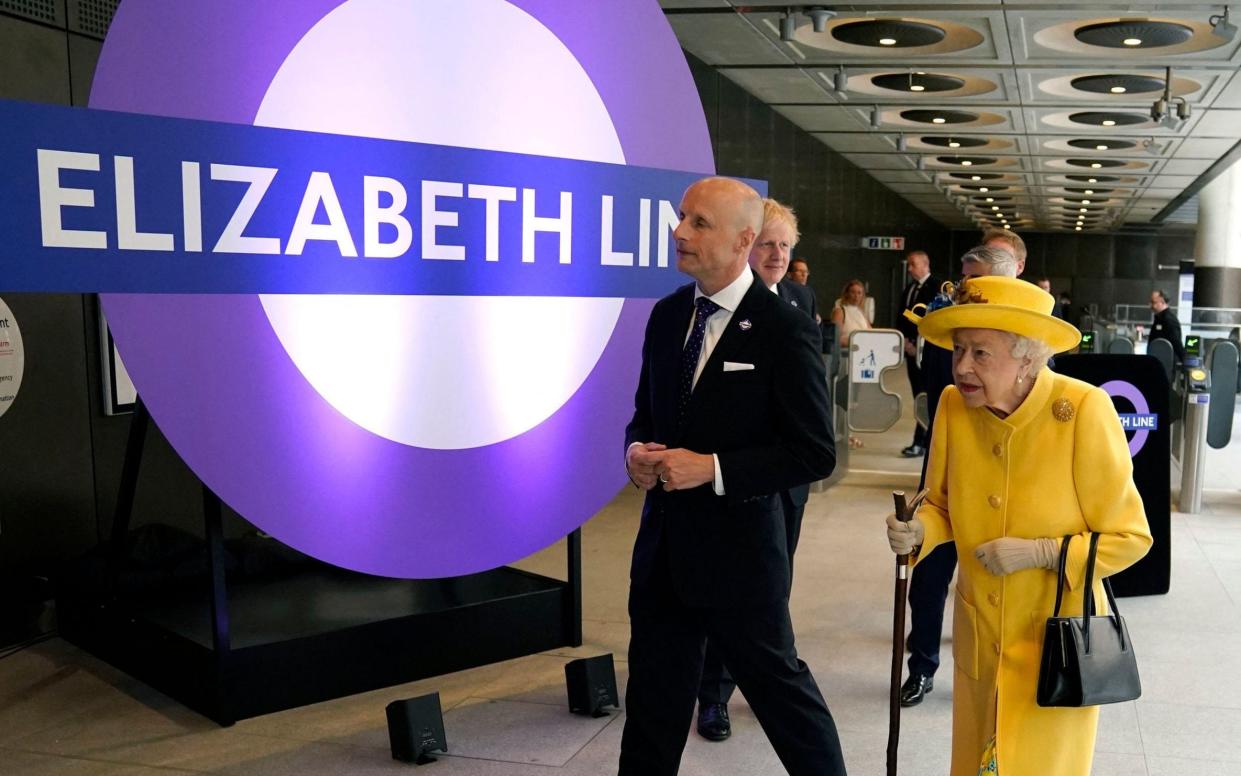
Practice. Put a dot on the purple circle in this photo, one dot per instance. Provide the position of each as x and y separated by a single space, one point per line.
1129 391
230 400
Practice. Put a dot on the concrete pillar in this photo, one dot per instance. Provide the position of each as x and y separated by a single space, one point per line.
1217 244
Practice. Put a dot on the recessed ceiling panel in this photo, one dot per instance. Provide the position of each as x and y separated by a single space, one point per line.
773 85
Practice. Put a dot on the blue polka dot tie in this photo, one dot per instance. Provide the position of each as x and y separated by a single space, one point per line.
704 309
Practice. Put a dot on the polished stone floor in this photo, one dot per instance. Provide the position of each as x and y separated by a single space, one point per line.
64 712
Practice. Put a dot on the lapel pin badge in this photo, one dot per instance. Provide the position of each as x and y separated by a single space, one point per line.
794 302
745 325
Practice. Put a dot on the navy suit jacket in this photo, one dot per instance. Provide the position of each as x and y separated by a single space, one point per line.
768 426
801 297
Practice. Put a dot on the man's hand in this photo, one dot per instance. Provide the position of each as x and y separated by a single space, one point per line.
911 349
641 460
1008 554
681 469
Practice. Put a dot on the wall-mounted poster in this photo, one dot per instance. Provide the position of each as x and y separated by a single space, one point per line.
12 358
119 393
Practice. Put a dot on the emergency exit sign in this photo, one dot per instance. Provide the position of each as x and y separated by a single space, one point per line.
884 243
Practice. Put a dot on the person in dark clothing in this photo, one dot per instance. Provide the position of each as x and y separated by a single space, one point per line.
921 289
1165 325
1056 311
769 258
928 588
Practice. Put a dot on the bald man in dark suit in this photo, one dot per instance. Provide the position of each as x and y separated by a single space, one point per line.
731 409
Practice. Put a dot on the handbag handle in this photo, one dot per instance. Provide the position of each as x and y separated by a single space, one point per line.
1088 603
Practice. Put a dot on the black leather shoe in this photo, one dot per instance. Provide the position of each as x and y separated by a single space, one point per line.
913 451
713 723
915 689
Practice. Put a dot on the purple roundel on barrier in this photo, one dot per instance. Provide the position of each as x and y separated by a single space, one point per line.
221 382
1121 389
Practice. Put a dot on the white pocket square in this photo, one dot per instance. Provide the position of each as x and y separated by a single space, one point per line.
733 366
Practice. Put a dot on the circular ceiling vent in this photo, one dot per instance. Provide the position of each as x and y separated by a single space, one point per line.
977 176
1108 118
966 161
1117 83
888 33
1096 163
987 189
917 82
1089 191
1093 178
1102 145
939 116
1133 34
946 141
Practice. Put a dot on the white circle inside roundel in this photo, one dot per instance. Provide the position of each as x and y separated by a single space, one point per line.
12 358
443 372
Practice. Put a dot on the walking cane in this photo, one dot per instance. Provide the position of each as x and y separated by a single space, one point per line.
903 513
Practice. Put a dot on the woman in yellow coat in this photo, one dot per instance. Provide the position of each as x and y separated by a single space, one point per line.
1020 457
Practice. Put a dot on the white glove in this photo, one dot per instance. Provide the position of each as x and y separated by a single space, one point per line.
904 537
1008 554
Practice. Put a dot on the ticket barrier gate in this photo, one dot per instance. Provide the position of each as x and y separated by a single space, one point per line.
860 402
1210 394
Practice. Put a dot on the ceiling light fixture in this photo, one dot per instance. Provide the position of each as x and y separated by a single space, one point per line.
995 207
1092 180
966 162
1132 41
1117 90
876 120
1089 191
840 80
819 17
975 177
983 189
788 26
1222 27
1101 147
1109 122
1077 229
1095 165
887 41
1159 108
1082 210
901 143
938 120
989 199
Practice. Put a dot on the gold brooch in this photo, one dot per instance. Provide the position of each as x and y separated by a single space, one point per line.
1062 410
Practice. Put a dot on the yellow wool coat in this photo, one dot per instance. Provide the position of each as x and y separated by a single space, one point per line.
1036 473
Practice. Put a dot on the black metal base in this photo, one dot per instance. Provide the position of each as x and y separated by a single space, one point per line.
320 634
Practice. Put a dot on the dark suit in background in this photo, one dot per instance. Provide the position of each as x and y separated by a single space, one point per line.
915 293
1166 326
717 566
928 588
717 684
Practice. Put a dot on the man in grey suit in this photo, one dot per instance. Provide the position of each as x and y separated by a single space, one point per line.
769 258
731 410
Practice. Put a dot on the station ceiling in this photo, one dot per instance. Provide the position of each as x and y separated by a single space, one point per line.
1036 114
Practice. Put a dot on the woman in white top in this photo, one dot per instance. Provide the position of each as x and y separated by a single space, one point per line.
849 316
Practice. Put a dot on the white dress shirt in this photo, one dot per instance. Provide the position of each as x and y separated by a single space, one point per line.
728 298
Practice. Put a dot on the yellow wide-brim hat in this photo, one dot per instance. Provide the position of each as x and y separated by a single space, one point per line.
1006 304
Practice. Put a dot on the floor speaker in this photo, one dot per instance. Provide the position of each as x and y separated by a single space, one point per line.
416 728
591 683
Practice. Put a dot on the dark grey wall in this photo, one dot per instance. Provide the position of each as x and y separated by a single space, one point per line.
1102 269
836 202
61 456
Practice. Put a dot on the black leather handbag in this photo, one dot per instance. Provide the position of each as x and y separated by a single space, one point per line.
1087 660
